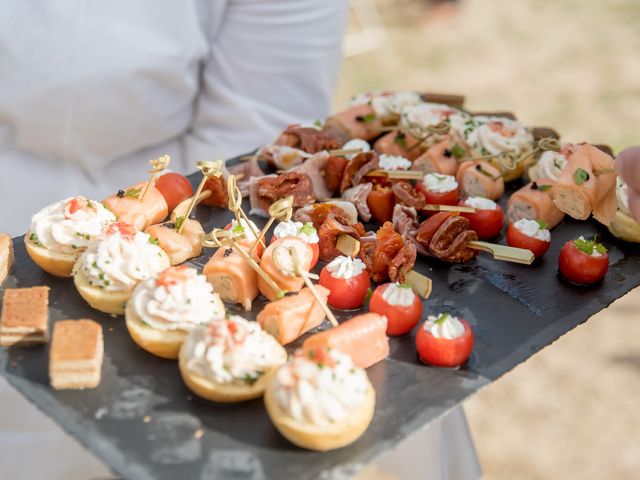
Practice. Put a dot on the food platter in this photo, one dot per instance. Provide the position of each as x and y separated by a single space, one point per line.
144 423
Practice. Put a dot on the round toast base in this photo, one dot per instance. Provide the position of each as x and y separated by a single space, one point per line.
625 228
55 263
161 343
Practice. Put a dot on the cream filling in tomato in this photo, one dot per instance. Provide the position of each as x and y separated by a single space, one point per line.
355 143
444 326
305 232
393 162
398 295
481 203
436 183
532 229
345 267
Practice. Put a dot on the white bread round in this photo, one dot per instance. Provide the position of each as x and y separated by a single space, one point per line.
104 300
55 263
313 437
625 228
230 392
162 343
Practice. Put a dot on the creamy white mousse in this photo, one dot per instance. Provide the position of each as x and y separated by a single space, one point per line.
622 195
417 118
118 262
444 326
320 387
345 267
496 135
356 143
393 162
551 165
480 203
304 231
231 351
68 226
531 228
387 105
399 295
246 228
434 182
179 298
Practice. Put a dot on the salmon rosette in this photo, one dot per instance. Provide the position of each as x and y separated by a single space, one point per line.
320 400
229 360
129 206
179 246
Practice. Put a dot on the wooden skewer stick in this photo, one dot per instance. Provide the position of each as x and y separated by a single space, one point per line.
219 237
235 205
279 210
208 169
344 151
441 128
347 245
602 171
544 144
301 273
502 252
157 165
450 208
397 174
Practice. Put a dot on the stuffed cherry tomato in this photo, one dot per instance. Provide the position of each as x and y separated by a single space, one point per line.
439 189
529 234
381 202
347 281
174 188
305 232
583 261
488 220
399 304
444 341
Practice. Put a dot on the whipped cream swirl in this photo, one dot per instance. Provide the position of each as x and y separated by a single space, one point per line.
532 228
496 135
434 182
481 203
551 164
444 326
304 231
345 267
398 295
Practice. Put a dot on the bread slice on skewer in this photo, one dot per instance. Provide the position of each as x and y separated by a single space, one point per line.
77 350
6 256
25 316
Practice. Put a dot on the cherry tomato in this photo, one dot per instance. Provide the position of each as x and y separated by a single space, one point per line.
174 188
517 239
486 223
125 229
443 352
401 320
346 293
381 202
435 198
581 268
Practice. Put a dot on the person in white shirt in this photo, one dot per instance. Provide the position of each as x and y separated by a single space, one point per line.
90 91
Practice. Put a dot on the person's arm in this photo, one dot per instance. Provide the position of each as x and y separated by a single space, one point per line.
628 167
271 63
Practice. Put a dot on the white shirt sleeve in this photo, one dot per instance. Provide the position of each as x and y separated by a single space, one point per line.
272 63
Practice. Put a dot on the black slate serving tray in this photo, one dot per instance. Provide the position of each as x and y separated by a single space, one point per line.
144 423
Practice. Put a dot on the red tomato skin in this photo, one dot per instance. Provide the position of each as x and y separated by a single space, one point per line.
345 293
435 198
580 268
174 188
486 223
314 246
381 202
401 320
442 352
516 238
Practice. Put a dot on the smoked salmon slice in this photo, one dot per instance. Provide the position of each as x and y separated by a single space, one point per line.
398 143
363 337
277 263
232 277
290 317
480 179
358 121
179 246
579 192
535 202
438 158
138 213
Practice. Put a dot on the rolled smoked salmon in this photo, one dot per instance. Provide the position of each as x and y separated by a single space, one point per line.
281 269
580 193
232 277
363 337
479 179
535 202
398 143
138 213
290 317
358 121
179 246
438 158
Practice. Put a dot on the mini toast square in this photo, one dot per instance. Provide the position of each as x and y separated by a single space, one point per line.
6 256
25 316
75 358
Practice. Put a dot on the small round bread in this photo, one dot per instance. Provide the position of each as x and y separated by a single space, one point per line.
162 343
214 391
104 300
625 228
55 263
324 438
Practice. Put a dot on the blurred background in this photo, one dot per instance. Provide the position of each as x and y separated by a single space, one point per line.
571 411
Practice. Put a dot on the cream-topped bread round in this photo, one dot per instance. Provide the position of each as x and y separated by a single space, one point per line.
230 360
623 225
163 309
312 422
60 232
108 271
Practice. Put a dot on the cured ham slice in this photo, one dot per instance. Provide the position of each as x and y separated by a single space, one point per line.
358 196
480 179
329 232
277 263
398 143
333 172
438 158
377 256
362 337
136 212
179 246
245 171
343 211
579 192
308 139
232 277
358 121
289 318
313 168
535 202
270 188
281 156
405 222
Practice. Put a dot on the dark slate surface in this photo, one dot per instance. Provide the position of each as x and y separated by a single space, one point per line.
141 420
